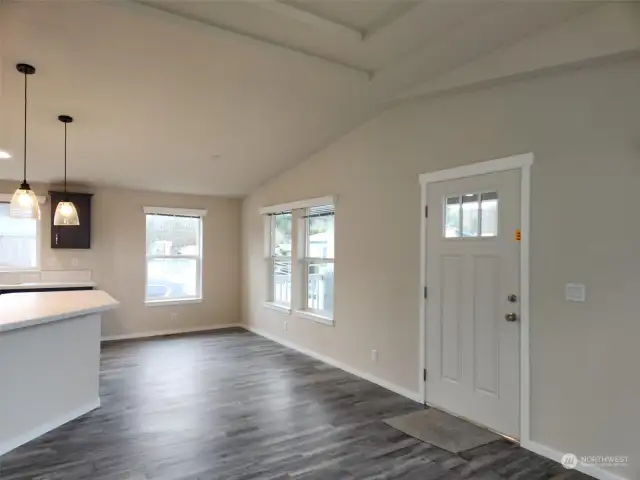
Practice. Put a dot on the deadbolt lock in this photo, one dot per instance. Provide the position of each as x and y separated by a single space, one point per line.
511 317
513 298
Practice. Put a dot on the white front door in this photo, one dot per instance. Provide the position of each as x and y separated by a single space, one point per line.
473 271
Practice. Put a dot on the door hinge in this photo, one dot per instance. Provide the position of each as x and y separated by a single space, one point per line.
425 292
424 374
426 211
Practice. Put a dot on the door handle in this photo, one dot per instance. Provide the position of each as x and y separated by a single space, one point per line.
511 317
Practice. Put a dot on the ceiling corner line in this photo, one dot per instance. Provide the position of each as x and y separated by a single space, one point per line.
168 12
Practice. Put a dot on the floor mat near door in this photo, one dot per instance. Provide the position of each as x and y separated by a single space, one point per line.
442 430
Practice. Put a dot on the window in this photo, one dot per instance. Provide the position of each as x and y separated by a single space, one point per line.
280 249
471 215
174 255
304 231
318 269
18 241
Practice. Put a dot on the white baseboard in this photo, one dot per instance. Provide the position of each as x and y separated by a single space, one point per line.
552 454
415 396
159 333
20 440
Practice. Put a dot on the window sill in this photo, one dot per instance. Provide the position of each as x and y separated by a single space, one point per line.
176 301
315 317
277 307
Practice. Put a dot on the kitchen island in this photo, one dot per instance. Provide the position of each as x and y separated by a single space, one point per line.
49 360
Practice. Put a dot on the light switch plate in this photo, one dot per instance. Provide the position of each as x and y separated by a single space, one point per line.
575 292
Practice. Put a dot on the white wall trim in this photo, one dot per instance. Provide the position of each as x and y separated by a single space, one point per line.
6 198
175 331
277 307
310 202
16 442
555 455
514 162
183 212
415 396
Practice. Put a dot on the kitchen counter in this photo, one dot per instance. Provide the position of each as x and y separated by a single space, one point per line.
44 285
20 310
49 360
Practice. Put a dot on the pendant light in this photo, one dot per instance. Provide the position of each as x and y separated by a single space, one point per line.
24 203
66 213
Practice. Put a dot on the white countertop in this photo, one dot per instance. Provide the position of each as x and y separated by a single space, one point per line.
33 285
20 310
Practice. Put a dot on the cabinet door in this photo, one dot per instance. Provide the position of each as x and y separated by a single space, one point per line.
73 237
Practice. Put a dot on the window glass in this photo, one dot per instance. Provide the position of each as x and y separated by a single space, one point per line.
320 237
489 214
319 261
18 241
471 215
320 287
174 257
452 218
282 282
281 235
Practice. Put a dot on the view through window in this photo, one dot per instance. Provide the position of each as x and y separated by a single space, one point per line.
319 259
174 257
18 241
280 259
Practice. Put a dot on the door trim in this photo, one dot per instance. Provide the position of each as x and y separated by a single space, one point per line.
522 162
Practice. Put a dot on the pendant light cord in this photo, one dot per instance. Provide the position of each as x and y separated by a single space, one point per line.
25 128
65 158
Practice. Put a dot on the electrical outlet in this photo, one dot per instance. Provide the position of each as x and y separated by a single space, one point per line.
74 262
174 316
286 325
374 355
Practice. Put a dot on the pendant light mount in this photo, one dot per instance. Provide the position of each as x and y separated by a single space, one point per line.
65 118
26 69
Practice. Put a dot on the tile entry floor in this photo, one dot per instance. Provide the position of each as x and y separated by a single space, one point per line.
233 405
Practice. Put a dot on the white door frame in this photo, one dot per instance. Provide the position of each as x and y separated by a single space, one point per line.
520 162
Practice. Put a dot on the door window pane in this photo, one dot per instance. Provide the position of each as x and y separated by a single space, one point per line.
320 288
452 218
471 215
489 214
470 222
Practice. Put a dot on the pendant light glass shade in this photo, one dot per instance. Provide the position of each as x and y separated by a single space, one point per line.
66 214
24 203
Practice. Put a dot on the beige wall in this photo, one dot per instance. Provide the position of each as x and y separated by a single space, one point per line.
117 259
584 129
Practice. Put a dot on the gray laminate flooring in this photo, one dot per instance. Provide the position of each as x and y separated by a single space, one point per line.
233 405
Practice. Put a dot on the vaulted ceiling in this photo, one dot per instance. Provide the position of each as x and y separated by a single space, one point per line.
216 97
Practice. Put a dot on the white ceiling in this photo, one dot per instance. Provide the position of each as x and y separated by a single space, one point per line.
216 97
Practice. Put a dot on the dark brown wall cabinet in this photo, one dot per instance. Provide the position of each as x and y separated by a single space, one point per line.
67 236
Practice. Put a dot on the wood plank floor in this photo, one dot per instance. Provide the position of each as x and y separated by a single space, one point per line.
233 405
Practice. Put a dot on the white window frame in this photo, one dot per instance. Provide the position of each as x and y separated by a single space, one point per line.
6 198
271 260
299 272
321 316
181 212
